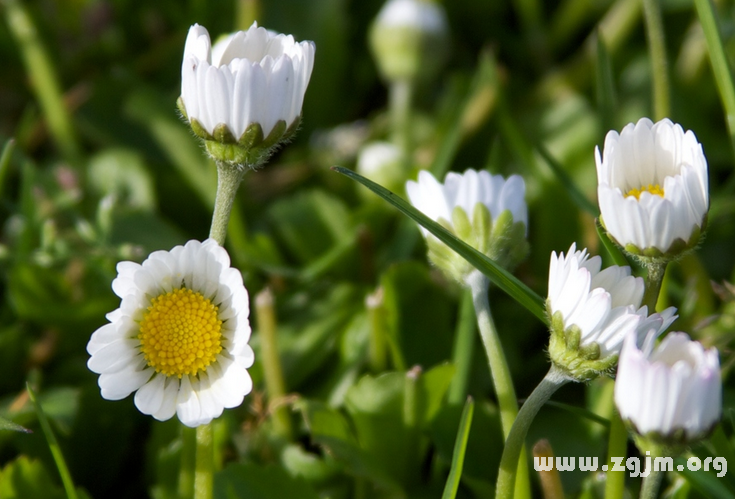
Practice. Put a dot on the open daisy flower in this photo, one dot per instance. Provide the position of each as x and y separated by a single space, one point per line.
244 95
673 393
488 212
180 336
592 311
652 188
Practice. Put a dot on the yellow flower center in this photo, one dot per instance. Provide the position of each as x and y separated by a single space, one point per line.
653 189
180 333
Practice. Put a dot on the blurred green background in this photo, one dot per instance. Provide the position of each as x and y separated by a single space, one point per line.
113 173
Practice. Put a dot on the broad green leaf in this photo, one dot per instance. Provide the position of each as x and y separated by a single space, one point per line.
499 276
460 447
256 482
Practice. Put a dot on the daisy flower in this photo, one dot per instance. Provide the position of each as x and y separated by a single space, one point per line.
180 337
672 392
652 188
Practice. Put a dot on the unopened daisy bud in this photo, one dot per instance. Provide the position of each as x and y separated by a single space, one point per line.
381 163
180 337
409 39
485 211
592 311
244 95
652 189
670 395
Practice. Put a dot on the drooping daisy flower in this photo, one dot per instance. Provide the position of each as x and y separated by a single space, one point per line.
652 188
246 91
180 336
673 393
486 211
592 311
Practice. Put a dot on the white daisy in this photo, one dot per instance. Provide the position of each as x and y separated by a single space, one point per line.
180 336
250 77
593 310
673 392
652 187
486 211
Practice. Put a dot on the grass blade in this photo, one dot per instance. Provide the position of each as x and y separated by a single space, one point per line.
53 444
606 97
723 76
498 275
460 446
615 253
575 194
6 424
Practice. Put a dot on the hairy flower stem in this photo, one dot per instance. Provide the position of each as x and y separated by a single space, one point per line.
204 472
499 371
652 482
400 101
656 271
617 446
228 180
505 485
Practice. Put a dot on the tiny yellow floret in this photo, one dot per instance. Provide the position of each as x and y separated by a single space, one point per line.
180 333
653 189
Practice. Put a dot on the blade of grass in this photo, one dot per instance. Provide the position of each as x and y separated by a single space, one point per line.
6 424
720 68
43 78
659 63
53 444
575 194
498 275
617 256
5 157
606 98
581 412
460 446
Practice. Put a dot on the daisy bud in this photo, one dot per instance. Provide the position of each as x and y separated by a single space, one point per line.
244 95
670 395
180 337
409 39
485 211
592 311
652 189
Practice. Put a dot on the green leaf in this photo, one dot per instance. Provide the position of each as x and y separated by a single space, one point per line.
5 158
565 179
27 479
613 250
122 172
460 447
606 100
257 482
499 276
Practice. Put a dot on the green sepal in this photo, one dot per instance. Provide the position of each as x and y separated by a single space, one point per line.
223 134
579 361
251 137
199 130
182 108
672 444
501 239
275 136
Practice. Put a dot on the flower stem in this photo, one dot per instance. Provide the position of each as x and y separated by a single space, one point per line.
617 446
553 380
464 342
228 180
499 371
204 472
659 65
652 482
188 462
272 369
656 271
400 100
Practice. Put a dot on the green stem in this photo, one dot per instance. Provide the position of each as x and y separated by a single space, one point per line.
400 101
718 58
271 360
204 471
553 380
659 65
44 79
654 278
499 371
617 446
188 462
228 180
464 342
652 482
53 444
